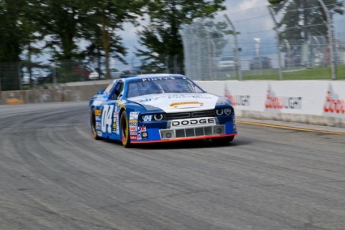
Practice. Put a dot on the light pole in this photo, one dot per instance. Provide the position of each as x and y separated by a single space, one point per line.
237 61
257 51
330 38
278 42
287 44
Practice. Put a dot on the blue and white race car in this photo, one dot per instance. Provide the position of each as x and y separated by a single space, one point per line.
160 108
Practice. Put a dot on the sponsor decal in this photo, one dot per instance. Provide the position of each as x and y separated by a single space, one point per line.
133 125
133 121
159 78
97 118
176 96
175 104
193 122
133 137
133 115
98 112
107 118
98 124
142 129
114 125
144 135
139 136
99 133
237 100
333 105
147 118
116 112
280 102
132 128
133 133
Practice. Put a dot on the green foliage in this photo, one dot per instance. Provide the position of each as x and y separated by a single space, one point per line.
108 17
162 35
305 12
273 2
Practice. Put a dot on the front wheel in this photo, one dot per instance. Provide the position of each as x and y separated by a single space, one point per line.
93 125
222 140
124 126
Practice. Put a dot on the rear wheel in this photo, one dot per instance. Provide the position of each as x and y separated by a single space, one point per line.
222 140
124 125
93 125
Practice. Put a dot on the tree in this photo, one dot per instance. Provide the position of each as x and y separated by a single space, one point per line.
109 17
12 38
61 24
307 11
273 2
162 36
303 22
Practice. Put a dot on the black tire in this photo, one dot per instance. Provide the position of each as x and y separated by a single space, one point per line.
124 130
222 140
93 125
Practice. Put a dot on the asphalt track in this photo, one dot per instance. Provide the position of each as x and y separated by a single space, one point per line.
53 175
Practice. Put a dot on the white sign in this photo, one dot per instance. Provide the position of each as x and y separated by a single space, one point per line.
321 98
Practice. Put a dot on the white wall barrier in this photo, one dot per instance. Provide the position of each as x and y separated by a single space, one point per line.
311 102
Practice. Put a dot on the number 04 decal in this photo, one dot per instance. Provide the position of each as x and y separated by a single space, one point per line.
107 115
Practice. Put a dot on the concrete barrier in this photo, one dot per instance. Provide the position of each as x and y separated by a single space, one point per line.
309 102
66 93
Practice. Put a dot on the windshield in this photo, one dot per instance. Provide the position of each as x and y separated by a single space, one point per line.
161 85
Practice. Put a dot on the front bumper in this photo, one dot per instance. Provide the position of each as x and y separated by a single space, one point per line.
155 135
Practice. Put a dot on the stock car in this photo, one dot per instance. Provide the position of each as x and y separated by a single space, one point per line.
152 108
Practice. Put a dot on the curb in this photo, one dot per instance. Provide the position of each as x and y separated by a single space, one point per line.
290 127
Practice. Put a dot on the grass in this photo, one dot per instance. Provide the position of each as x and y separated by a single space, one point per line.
319 73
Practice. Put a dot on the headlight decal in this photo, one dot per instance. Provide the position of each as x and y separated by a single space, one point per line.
147 117
224 112
219 112
228 111
158 117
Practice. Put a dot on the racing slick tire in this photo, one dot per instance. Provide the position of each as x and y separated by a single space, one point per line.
93 125
222 140
124 130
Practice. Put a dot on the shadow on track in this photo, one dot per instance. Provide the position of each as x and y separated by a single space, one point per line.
184 144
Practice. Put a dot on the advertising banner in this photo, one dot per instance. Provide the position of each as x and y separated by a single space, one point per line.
320 98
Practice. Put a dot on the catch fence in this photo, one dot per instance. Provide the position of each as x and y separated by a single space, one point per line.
294 40
300 39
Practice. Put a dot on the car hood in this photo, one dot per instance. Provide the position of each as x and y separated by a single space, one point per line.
173 102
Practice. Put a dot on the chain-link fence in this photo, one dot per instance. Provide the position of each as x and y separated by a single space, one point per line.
24 75
298 39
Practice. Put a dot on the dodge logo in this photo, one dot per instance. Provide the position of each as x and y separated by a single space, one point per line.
199 121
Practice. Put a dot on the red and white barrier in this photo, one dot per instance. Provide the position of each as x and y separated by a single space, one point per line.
313 102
